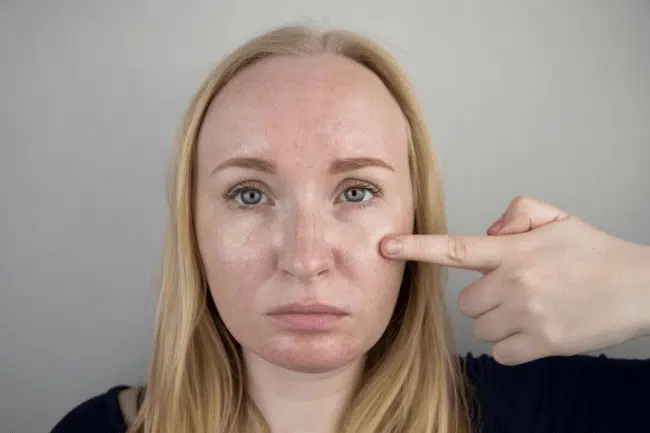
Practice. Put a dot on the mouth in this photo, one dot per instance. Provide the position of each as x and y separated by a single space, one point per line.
298 308
308 317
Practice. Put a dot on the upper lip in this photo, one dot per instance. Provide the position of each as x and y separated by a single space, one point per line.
300 308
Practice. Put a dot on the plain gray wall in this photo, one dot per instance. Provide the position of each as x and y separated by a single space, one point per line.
549 99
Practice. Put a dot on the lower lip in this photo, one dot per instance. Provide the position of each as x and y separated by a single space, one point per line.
308 322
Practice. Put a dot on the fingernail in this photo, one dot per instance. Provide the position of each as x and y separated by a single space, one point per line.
392 247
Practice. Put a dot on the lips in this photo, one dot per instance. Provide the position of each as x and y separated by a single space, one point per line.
311 318
298 308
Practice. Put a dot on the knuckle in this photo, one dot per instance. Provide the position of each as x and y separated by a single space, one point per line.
529 300
522 278
457 249
533 308
552 335
521 202
540 321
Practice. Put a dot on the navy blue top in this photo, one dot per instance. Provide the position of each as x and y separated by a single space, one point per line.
581 393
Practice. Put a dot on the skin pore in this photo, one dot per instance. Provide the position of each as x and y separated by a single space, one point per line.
302 168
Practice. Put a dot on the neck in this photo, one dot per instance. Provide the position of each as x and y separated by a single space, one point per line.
293 401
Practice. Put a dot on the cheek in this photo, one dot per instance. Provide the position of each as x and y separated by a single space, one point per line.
236 255
377 279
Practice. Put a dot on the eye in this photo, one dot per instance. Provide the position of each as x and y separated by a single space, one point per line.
359 192
249 196
356 194
246 195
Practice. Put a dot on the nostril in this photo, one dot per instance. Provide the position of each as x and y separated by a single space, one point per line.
306 260
305 249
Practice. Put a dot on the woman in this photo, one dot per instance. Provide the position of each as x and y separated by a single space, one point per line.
277 310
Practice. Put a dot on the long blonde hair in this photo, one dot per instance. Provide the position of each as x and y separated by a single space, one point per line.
413 381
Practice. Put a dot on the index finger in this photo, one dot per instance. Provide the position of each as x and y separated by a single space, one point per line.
477 253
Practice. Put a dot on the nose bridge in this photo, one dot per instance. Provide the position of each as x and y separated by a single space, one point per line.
305 252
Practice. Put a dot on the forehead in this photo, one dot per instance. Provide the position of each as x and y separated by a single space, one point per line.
318 105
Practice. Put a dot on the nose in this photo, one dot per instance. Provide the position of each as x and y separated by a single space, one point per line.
305 252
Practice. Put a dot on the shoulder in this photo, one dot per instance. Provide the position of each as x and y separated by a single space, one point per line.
101 413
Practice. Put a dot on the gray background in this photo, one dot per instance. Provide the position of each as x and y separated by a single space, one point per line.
549 99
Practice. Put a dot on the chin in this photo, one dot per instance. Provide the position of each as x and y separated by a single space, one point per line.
314 356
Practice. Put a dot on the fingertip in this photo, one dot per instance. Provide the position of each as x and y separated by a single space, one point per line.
391 247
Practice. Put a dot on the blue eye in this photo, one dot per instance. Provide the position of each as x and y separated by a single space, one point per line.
357 194
249 196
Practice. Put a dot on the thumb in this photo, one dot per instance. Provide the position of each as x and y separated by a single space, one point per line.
525 214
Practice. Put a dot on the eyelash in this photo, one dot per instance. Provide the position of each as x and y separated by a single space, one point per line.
250 185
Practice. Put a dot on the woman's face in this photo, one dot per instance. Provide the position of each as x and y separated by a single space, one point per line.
302 169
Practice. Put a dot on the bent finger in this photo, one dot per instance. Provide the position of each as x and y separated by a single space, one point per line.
524 214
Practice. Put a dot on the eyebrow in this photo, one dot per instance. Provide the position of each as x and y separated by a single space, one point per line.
337 167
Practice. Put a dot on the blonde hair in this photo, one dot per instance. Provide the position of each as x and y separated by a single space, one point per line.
412 382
